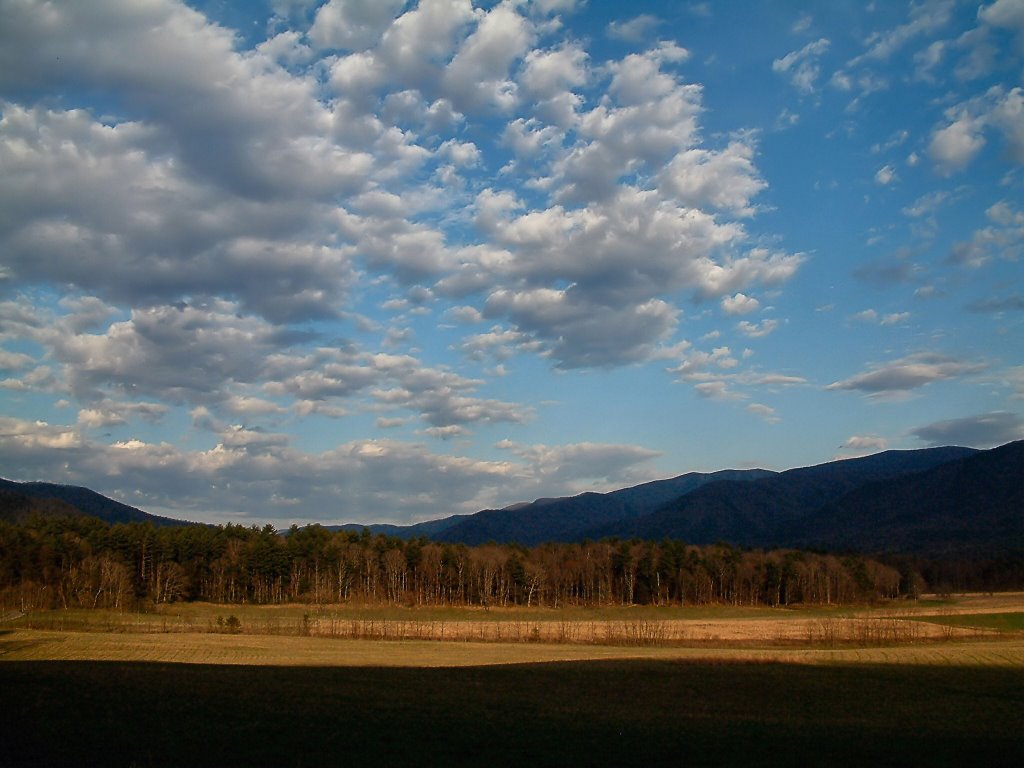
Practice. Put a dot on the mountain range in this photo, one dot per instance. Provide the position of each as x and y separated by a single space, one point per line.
18 501
937 502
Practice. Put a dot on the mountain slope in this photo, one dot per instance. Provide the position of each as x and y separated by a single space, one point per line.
757 513
76 499
572 518
17 507
428 529
972 506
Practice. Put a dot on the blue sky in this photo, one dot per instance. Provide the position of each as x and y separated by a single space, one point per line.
386 261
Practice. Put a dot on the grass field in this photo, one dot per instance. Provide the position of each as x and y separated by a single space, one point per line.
628 712
1000 622
115 689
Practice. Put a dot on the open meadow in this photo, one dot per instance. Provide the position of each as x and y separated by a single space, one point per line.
937 682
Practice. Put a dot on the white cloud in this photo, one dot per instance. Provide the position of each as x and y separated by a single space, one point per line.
985 430
906 374
802 66
872 316
478 76
925 18
928 60
194 224
725 179
121 230
547 74
636 30
109 413
927 204
579 333
364 480
1002 238
353 24
14 361
765 412
757 330
885 175
585 466
1008 14
740 304
953 147
895 318
861 445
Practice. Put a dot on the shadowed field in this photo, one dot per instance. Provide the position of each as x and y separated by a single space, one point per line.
583 713
112 689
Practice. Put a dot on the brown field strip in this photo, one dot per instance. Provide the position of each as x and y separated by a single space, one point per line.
254 650
345 636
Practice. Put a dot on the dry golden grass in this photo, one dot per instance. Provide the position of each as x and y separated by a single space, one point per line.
264 650
343 636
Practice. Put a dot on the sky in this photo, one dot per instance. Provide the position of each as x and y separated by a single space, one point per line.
386 260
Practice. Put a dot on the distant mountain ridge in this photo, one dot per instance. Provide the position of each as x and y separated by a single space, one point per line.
19 500
572 518
942 502
973 506
758 514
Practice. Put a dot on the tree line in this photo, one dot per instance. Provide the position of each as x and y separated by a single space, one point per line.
81 561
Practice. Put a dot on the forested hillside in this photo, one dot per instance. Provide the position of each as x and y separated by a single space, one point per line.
57 499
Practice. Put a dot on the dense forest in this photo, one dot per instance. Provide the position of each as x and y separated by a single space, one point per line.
81 561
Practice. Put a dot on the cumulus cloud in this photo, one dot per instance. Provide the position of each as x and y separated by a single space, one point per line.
726 179
255 471
579 333
740 304
352 24
720 375
479 73
1007 14
254 129
585 466
108 413
985 430
277 245
261 473
243 239
121 229
1002 238
955 144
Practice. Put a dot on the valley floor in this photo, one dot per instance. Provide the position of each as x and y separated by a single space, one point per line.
123 693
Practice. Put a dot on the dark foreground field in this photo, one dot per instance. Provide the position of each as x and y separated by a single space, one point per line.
582 713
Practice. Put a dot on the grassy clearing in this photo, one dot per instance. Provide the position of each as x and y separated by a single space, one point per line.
198 614
999 622
262 650
586 713
708 626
